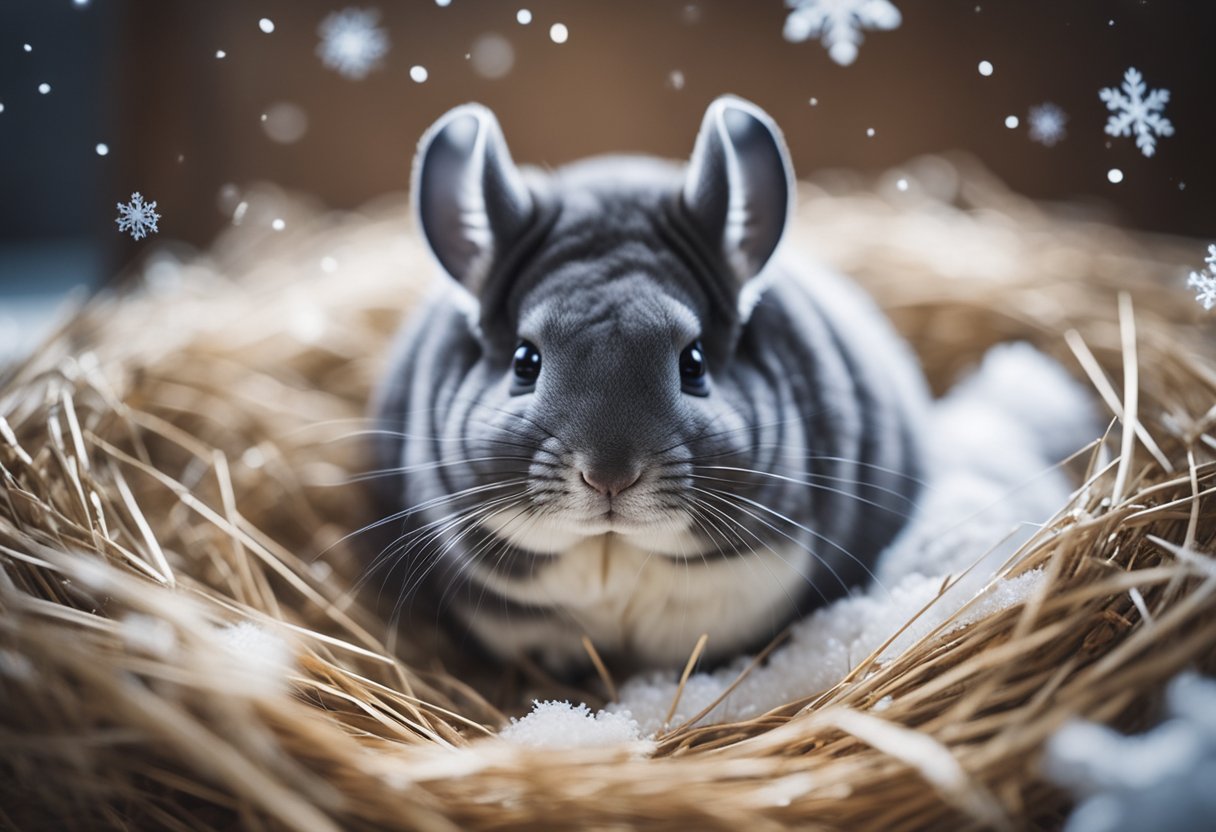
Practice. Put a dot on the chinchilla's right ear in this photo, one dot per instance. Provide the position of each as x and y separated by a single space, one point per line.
469 198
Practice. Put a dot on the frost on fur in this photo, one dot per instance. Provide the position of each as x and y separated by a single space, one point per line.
352 44
838 23
1135 113
1159 780
1204 281
137 217
562 725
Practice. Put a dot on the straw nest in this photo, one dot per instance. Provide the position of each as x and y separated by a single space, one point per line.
178 458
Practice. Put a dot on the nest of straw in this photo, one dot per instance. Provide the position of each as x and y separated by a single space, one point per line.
178 458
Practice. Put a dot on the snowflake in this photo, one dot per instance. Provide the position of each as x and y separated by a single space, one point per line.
137 216
1133 113
838 23
351 43
1204 282
1047 124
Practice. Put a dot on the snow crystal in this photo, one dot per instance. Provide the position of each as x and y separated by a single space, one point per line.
278 224
985 68
418 74
352 43
27 47
870 132
266 25
1159 780
102 149
1011 122
44 88
675 80
1204 281
221 54
838 23
901 184
1132 112
137 217
558 33
1 107
523 17
1046 123
1114 176
561 725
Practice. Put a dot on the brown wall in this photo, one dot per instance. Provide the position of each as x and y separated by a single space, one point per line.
608 89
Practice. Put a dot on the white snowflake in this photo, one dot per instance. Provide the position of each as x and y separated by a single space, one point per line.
1134 113
1047 123
351 43
137 216
838 23
1204 281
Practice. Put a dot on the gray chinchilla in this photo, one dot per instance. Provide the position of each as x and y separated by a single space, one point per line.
630 413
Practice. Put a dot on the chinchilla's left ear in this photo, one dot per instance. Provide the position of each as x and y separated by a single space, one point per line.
739 184
469 198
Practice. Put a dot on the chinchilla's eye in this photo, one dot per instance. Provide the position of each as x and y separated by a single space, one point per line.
692 369
526 363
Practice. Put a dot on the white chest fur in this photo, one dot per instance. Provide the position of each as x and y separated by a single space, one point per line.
647 606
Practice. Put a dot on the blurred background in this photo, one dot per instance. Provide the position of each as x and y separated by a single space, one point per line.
188 101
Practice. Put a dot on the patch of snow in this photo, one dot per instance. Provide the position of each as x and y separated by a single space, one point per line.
562 725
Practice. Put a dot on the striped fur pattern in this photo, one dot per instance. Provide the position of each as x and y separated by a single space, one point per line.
738 507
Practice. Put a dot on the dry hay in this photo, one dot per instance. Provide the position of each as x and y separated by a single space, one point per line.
177 459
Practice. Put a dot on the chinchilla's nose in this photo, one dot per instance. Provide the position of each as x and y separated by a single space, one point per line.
610 481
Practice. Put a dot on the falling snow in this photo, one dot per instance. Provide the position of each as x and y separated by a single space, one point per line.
1047 124
352 44
137 217
838 23
1204 281
1132 112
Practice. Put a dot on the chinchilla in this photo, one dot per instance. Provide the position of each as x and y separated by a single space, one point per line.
631 414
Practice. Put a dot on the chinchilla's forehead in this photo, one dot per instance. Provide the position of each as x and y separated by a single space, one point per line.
614 239
629 305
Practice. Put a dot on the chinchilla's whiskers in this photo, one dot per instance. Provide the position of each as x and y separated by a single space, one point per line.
422 567
429 466
432 503
376 473
731 501
442 557
751 561
728 497
814 485
401 546
811 457
507 548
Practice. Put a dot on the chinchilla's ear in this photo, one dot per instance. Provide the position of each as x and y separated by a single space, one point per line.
739 184
469 198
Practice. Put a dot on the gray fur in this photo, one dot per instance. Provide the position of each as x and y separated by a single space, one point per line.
612 267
